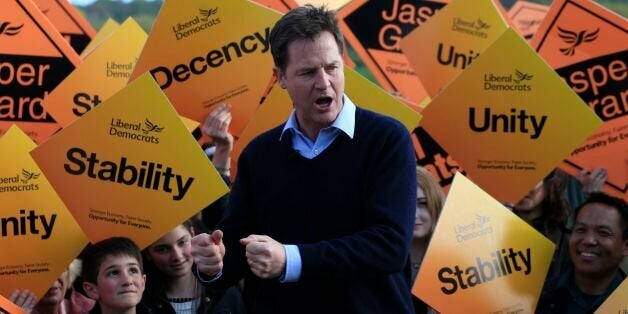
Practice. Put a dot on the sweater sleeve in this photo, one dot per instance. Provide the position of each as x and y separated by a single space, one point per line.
381 247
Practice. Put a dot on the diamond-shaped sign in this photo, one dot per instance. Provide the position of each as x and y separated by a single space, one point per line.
130 167
38 237
105 31
204 53
482 258
375 30
588 46
508 120
34 59
527 17
451 40
104 73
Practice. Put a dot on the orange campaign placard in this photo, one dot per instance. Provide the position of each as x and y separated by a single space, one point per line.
587 45
105 72
617 302
332 4
7 307
509 120
68 21
34 59
204 53
448 43
482 258
277 106
375 29
130 167
527 17
105 31
39 237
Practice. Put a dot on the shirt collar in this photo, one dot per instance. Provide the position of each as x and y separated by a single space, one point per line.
345 121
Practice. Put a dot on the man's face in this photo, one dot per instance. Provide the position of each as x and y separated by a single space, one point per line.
315 80
596 245
55 294
119 285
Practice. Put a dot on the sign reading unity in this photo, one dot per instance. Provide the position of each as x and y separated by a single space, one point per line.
480 247
514 108
375 30
34 222
68 21
204 53
34 59
277 107
134 147
527 16
105 31
588 46
105 72
451 40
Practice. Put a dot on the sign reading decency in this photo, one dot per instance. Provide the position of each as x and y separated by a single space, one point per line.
375 30
448 43
508 120
130 167
588 46
39 237
34 59
204 53
482 257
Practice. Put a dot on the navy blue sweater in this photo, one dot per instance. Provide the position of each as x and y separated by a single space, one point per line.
350 210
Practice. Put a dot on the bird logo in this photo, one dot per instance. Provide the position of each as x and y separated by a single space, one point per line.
7 29
27 176
520 76
575 39
150 127
207 13
479 25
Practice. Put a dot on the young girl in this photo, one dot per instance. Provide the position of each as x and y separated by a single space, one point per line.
172 286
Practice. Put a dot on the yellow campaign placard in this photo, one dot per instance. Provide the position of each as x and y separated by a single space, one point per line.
482 258
35 224
282 6
508 120
105 72
70 23
34 59
277 106
130 167
448 43
105 31
375 29
526 17
332 4
204 53
7 307
617 302
587 45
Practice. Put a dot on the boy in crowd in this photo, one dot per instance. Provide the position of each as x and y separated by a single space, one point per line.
114 276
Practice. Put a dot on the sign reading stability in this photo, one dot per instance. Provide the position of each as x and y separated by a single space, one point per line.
479 247
34 59
32 216
133 146
512 110
203 53
588 46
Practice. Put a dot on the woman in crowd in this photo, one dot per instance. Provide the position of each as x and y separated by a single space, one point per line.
171 285
429 202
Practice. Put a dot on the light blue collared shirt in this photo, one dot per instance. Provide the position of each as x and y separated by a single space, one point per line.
345 122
